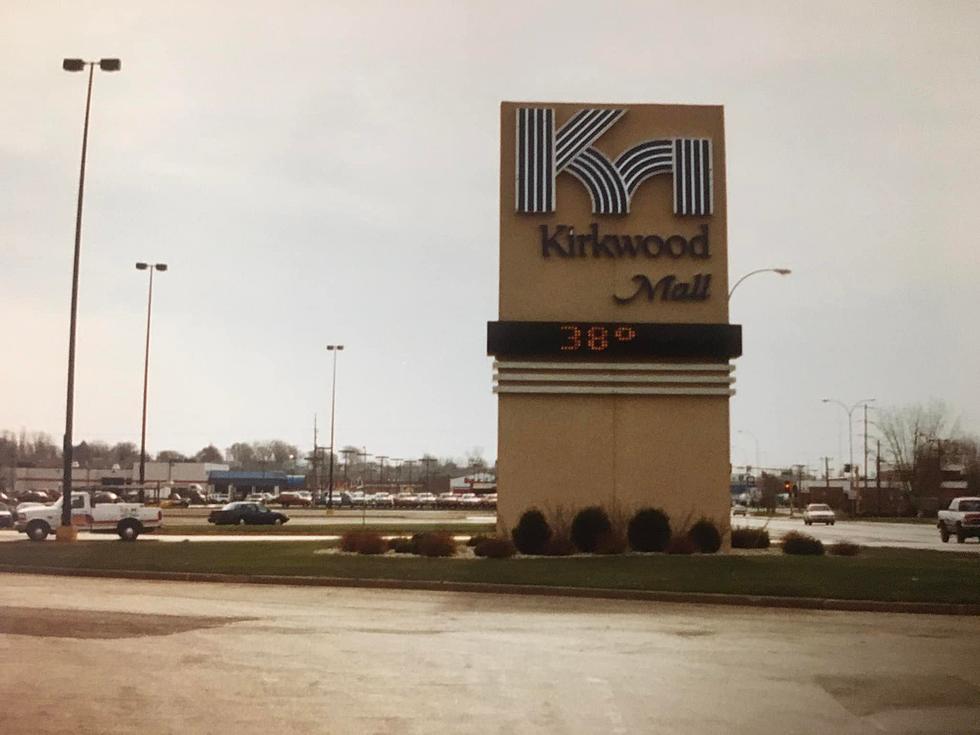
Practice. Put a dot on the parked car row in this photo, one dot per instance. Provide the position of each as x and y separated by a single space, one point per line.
184 497
420 501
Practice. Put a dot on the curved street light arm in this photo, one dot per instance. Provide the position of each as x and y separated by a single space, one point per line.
780 271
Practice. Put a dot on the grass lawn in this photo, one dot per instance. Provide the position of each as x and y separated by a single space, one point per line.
394 527
876 574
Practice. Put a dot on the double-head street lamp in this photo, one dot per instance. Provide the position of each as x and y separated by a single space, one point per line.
849 410
146 367
76 65
333 402
780 271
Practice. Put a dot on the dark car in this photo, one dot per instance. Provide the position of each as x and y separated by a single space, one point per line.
245 513
100 497
7 516
35 496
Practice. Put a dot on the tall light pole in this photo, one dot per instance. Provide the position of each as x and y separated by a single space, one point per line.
76 65
146 365
333 403
849 410
780 271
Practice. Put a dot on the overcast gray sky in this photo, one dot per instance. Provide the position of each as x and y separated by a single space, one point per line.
320 172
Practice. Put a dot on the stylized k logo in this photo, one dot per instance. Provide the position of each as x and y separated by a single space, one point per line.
542 154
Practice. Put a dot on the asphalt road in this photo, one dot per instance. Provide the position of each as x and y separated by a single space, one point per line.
117 656
865 533
317 517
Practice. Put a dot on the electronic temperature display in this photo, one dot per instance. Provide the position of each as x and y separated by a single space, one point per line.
613 340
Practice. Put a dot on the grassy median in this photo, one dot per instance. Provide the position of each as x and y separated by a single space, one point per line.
876 574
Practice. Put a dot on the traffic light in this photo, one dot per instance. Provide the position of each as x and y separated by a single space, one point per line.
787 486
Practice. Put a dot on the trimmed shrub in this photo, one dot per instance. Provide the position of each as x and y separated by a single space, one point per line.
495 548
649 530
475 541
750 538
371 544
795 542
844 548
348 542
402 545
559 546
611 543
532 532
705 536
681 545
437 543
363 542
588 527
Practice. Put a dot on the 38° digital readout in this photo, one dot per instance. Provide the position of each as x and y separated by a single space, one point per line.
612 340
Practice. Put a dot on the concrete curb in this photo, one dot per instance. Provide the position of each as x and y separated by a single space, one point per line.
696 598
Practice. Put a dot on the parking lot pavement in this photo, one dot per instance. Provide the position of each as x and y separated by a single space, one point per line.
865 533
117 656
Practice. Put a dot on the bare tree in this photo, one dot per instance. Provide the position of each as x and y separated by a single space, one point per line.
908 430
124 454
242 455
170 455
210 453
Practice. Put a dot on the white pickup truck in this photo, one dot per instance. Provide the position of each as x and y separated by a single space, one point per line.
128 520
962 519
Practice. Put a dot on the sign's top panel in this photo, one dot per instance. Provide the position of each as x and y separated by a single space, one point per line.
612 211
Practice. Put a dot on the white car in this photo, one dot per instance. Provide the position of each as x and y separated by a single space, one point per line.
961 519
819 513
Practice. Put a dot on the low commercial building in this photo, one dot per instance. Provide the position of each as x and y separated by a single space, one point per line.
177 474
158 475
50 478
238 484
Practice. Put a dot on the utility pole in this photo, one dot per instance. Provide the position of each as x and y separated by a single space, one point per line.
427 461
315 460
878 476
381 468
347 453
865 444
363 455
